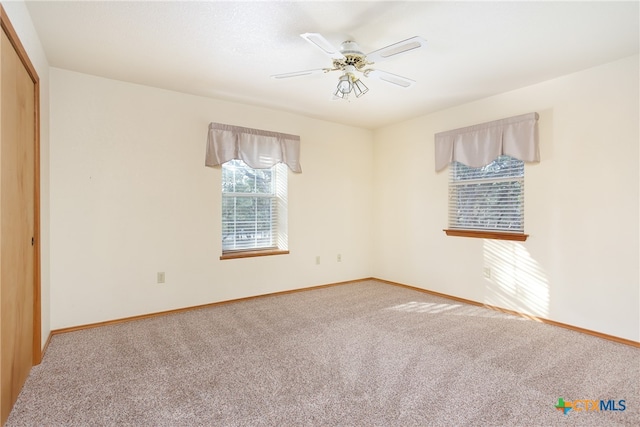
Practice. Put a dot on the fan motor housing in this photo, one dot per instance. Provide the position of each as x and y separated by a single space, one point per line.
353 56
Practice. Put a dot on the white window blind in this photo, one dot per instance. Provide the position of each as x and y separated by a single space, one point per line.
254 207
487 198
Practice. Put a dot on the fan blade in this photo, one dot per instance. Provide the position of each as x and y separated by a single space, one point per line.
300 73
390 78
396 49
321 43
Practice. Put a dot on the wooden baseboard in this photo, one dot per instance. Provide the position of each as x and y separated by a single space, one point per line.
517 313
438 294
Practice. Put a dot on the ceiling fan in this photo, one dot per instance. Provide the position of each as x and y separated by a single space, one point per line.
352 62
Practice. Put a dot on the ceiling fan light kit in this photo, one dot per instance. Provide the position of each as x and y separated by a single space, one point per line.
348 83
351 60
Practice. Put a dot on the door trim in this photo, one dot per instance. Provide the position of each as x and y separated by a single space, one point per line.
37 304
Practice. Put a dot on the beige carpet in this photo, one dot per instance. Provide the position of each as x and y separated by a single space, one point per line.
361 354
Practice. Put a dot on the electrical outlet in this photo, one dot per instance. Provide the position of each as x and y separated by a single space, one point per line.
318 260
339 258
487 273
161 277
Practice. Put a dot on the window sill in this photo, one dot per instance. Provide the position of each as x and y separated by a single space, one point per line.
250 254
497 235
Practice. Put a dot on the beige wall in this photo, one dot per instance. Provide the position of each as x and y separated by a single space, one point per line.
130 197
580 263
21 21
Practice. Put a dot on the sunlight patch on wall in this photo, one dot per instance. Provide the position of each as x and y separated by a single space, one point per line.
514 279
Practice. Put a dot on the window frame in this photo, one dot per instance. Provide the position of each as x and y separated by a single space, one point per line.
278 195
484 233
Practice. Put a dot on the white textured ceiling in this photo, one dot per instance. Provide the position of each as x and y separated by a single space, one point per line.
229 49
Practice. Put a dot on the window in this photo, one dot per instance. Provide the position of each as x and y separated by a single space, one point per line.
254 166
254 210
488 198
486 178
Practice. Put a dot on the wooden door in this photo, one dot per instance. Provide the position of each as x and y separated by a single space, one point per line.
19 281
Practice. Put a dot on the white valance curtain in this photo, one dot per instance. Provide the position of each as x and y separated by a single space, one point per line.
259 149
479 145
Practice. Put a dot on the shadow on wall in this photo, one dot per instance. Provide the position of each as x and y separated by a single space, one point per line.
515 280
